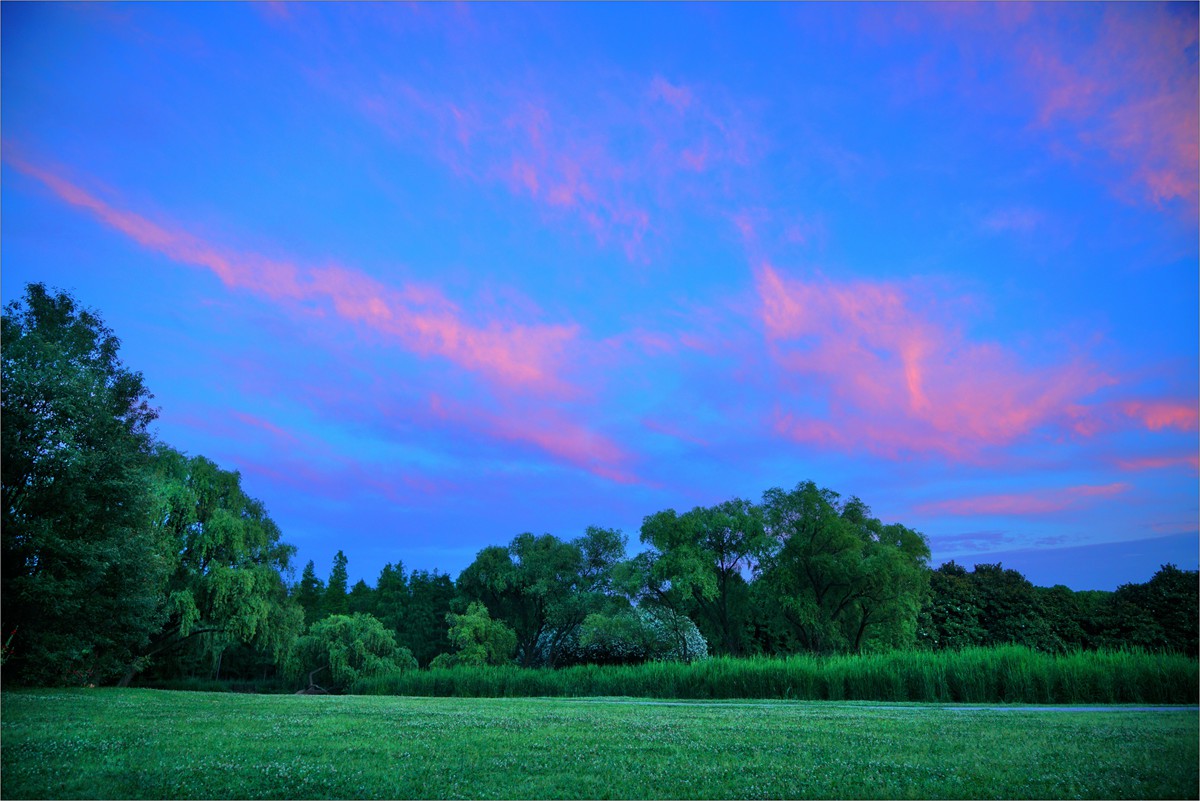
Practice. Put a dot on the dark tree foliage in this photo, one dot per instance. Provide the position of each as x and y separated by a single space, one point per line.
543 588
950 616
1160 615
361 599
839 579
83 569
993 605
226 585
1009 608
335 601
423 628
309 593
415 608
700 564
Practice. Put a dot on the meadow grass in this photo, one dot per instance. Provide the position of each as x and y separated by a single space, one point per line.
1007 674
109 743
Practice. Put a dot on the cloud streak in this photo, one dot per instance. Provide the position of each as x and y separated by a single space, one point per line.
519 360
897 378
418 318
1036 502
615 166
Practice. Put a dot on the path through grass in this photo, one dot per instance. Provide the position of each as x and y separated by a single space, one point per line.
155 744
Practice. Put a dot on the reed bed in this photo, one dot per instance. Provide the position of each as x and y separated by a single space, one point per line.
1007 674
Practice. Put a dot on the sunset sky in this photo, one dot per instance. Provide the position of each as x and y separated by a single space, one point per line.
430 276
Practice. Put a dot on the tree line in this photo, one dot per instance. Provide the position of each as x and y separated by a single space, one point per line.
123 557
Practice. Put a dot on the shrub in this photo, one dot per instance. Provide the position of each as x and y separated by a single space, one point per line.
352 647
628 637
478 640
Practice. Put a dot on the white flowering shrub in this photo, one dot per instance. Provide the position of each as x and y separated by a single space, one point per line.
631 636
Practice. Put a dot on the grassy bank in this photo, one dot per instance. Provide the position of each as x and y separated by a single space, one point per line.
978 675
109 743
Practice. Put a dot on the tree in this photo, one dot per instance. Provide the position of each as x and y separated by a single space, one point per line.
477 639
361 599
1009 608
391 595
335 601
638 634
840 579
82 568
227 577
950 616
702 560
1160 615
422 627
351 647
542 587
309 593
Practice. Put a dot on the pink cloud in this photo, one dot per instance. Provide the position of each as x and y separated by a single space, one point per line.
417 318
1113 82
614 166
1190 460
265 425
344 479
1157 415
276 280
674 431
1025 503
897 378
548 431
677 97
1135 95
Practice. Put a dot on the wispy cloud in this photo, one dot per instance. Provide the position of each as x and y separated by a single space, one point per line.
1161 414
1112 84
1189 460
1035 502
517 359
1132 93
417 318
546 430
901 378
615 165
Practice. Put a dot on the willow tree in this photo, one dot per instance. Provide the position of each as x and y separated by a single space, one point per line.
837 578
700 565
227 578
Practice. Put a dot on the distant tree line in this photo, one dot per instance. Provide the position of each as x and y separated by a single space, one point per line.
124 558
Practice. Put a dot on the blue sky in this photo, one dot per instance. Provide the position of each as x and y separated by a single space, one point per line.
430 276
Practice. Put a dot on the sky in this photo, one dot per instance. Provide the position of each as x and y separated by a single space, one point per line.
431 276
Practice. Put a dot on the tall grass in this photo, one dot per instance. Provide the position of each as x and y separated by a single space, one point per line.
1007 674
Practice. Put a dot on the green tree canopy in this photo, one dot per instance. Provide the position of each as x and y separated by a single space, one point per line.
477 639
82 568
309 593
227 580
701 562
840 579
544 588
350 647
335 600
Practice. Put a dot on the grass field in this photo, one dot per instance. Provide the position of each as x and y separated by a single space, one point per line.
107 743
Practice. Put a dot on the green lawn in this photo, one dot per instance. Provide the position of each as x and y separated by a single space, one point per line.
155 744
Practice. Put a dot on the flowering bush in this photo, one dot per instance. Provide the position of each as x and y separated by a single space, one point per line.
630 636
